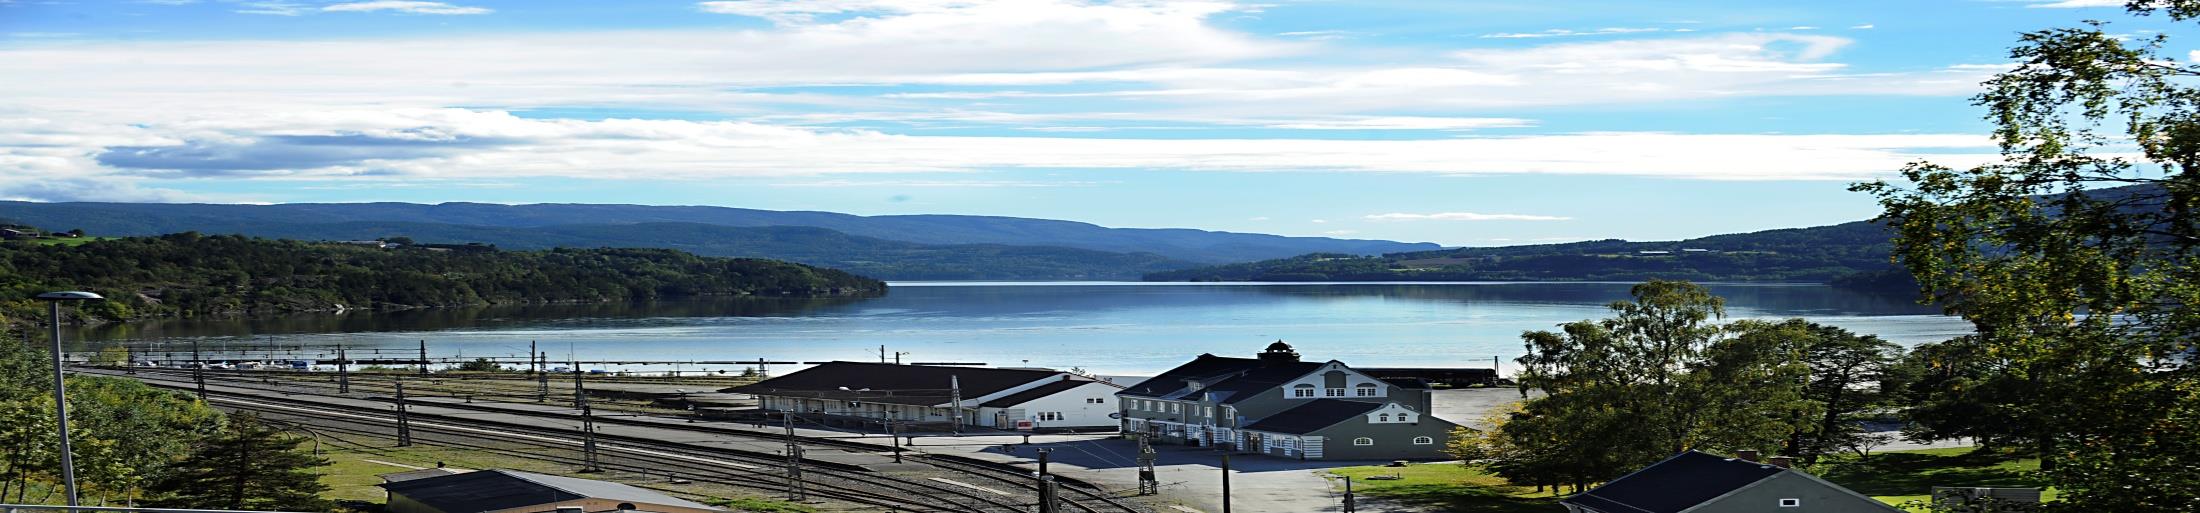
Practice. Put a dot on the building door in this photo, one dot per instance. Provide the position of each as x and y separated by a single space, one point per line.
1313 447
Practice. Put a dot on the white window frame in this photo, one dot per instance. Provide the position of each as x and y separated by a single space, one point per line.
1333 392
1302 391
1176 408
1363 442
1366 390
1382 417
1422 440
1791 503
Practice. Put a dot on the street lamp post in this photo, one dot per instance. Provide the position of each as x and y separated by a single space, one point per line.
60 388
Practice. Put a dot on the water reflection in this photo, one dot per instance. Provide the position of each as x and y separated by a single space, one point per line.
1124 328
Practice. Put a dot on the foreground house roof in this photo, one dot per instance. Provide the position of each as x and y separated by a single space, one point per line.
1674 485
920 385
1694 481
493 490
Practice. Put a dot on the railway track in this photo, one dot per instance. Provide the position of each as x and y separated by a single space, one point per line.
984 495
719 469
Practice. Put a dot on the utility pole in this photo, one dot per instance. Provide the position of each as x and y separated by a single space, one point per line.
1050 495
1348 503
882 353
1148 484
542 378
580 394
1226 482
893 430
588 443
404 421
795 489
955 401
198 370
423 356
343 371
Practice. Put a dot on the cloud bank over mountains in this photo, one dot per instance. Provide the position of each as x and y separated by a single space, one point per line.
869 87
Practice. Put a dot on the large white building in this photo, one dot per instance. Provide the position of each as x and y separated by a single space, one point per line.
857 393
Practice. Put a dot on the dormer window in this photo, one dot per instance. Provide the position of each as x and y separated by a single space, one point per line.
1193 386
1366 390
1302 390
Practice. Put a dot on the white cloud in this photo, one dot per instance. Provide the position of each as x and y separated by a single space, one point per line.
1318 221
1866 26
1570 33
272 8
1803 27
1319 35
493 145
1462 216
2075 4
1404 123
405 7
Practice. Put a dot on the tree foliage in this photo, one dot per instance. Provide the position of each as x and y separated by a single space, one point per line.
2077 256
1661 375
248 466
124 433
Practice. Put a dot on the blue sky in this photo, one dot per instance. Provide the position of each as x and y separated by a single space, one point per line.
1462 122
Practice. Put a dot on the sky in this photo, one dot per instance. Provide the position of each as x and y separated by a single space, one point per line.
1461 122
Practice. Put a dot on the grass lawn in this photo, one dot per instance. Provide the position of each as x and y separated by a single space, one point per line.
1448 487
67 241
1904 476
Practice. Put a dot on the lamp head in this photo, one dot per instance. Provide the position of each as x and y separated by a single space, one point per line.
71 295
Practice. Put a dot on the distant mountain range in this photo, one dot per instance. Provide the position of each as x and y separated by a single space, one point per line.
903 247
1849 253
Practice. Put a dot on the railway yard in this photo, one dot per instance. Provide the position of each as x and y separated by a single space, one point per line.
639 437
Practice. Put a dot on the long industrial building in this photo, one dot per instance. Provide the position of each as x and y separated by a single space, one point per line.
920 396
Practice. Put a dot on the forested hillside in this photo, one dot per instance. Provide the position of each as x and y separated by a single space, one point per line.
1818 254
302 219
189 274
868 256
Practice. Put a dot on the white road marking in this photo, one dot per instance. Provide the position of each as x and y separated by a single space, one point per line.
972 486
646 452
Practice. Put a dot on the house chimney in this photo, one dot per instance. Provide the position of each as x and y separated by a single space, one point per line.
1749 455
1782 461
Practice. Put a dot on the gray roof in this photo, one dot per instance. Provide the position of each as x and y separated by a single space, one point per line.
499 489
1313 416
1035 393
1681 482
920 385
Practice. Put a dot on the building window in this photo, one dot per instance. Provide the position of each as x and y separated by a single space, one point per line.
1363 441
1302 391
1175 408
1365 390
1422 440
1335 392
1382 417
1791 503
1050 415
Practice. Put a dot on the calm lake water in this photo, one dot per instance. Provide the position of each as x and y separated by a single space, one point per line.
1115 328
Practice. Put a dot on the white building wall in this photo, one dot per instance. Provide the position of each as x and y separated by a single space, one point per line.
1320 382
1078 407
